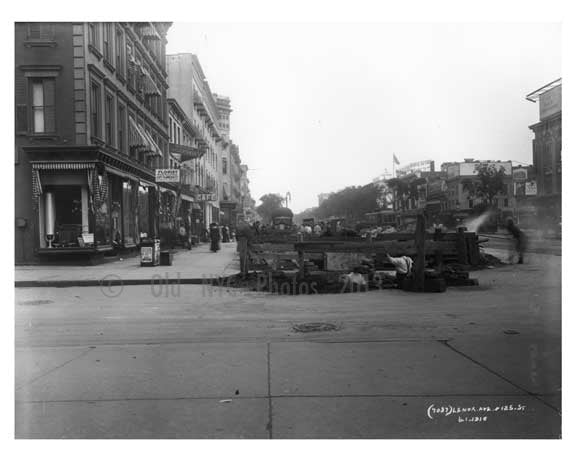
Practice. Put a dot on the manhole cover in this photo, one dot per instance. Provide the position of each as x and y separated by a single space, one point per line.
310 327
36 302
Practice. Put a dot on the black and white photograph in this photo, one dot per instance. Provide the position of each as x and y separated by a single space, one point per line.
287 230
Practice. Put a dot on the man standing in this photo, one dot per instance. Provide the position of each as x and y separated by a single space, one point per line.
519 239
214 237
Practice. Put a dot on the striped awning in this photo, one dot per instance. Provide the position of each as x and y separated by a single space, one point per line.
150 87
153 150
141 140
149 32
136 137
49 165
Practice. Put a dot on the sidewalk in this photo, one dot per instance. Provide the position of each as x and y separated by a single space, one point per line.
188 266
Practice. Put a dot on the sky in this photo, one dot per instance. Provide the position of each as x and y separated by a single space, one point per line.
319 107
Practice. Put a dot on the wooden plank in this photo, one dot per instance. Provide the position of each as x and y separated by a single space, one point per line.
342 261
462 247
394 248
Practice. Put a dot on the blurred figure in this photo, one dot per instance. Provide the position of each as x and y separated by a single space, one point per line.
519 241
403 266
317 229
214 237
225 234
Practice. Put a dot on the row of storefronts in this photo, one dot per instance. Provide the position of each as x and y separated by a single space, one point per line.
87 201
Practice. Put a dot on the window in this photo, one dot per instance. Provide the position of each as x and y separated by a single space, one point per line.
108 34
121 128
177 135
171 132
109 119
470 203
43 113
505 203
40 31
120 59
94 34
95 110
224 166
131 66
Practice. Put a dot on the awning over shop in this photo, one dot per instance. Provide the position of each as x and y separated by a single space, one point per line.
48 165
187 198
186 152
139 139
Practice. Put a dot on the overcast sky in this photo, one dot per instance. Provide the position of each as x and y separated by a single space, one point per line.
318 107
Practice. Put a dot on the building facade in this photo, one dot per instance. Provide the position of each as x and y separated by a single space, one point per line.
190 160
91 128
461 203
188 86
547 153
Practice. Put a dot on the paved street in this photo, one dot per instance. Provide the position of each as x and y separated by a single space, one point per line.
188 362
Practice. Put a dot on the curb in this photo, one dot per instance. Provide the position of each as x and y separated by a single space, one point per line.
118 282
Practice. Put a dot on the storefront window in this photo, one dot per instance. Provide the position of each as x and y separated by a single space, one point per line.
64 215
130 211
102 214
116 209
143 212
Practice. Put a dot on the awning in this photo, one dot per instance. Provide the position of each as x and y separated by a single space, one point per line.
186 152
48 165
150 87
149 32
140 139
147 183
136 136
187 198
163 189
122 174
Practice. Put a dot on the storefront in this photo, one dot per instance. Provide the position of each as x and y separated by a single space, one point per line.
89 206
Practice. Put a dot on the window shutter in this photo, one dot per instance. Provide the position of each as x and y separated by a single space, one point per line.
21 118
20 88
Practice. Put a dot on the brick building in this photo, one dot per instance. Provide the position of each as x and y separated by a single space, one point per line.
91 127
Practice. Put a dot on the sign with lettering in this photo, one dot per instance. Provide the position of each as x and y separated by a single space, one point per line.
520 174
531 188
471 168
551 102
168 175
206 197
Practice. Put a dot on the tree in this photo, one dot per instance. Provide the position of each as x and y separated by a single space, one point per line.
270 202
351 203
489 182
406 189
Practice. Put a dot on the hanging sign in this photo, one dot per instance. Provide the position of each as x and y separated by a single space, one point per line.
168 175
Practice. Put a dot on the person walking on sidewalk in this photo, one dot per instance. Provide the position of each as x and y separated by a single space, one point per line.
214 237
225 234
519 239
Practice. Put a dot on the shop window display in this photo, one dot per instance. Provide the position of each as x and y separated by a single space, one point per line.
116 210
129 202
65 214
144 212
101 211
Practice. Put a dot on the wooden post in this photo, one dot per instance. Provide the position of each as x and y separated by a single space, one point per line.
461 246
243 250
419 264
301 261
439 257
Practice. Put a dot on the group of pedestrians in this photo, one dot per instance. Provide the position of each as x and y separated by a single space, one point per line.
219 234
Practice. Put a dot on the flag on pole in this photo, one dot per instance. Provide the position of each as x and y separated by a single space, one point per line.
396 161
